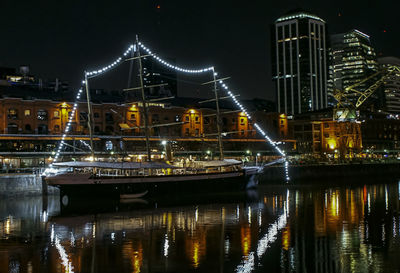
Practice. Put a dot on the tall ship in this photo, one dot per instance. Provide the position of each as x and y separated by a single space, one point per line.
136 179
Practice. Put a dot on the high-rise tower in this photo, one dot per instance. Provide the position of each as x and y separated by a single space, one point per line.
391 87
352 59
300 62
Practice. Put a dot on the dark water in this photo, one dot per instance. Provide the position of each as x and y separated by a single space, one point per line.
277 229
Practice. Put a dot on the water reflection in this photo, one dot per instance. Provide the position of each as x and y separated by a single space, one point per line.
306 229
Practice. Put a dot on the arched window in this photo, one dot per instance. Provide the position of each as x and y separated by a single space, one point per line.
83 116
109 117
42 129
28 128
155 118
109 129
12 128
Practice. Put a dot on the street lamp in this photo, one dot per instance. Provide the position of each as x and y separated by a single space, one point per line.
258 154
209 153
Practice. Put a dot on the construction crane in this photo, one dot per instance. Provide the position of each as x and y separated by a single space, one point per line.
345 107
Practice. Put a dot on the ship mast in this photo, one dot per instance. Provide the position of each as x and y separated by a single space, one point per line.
145 112
89 105
221 152
218 112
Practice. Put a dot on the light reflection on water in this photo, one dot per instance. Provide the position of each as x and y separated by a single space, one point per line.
303 229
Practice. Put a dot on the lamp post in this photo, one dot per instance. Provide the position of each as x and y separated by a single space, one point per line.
210 154
248 153
258 154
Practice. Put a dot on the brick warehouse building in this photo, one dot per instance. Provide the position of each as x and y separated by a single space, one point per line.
30 129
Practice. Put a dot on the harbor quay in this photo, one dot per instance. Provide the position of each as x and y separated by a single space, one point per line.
28 182
160 137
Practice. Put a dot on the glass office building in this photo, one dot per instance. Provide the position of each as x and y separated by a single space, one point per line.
300 62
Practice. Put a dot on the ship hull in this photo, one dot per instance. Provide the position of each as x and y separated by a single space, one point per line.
114 187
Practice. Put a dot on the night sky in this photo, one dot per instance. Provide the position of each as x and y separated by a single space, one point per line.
62 38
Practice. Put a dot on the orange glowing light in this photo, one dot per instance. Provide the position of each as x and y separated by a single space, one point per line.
286 239
196 248
196 259
245 234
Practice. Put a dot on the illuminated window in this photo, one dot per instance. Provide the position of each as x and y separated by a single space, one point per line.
12 114
27 112
56 114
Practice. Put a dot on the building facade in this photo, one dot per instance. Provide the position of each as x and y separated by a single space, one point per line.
391 87
351 59
327 137
300 63
381 134
31 129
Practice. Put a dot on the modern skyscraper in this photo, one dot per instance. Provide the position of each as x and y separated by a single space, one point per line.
391 88
352 59
300 62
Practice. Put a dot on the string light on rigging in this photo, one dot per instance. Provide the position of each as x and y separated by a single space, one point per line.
180 69
221 82
78 96
98 72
